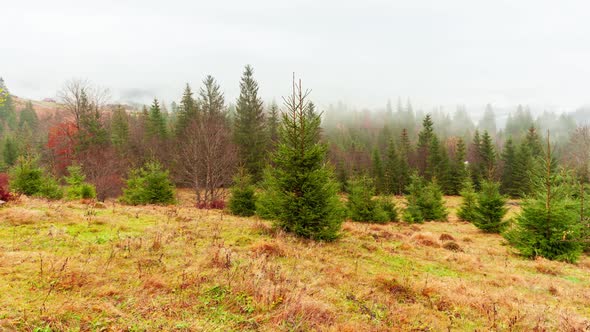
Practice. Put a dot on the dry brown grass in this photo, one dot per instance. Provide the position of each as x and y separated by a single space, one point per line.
179 268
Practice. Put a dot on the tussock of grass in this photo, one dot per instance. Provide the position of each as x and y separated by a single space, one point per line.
78 266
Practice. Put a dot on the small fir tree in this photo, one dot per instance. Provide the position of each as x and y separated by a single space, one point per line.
549 223
300 192
424 201
467 209
243 195
362 206
78 188
149 185
490 209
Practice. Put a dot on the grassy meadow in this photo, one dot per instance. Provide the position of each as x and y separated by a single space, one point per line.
75 266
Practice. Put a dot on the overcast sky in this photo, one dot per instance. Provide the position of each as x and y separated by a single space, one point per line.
361 52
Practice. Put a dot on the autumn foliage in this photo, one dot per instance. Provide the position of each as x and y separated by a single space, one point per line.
61 143
5 194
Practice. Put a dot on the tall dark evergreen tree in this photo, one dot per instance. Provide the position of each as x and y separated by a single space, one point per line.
272 123
156 121
458 171
487 155
187 111
509 166
249 126
405 158
120 127
392 170
533 141
378 173
424 148
212 101
300 192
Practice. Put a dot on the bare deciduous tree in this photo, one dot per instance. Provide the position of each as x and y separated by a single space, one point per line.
79 96
207 158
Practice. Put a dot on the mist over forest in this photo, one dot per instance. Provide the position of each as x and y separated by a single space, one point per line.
294 166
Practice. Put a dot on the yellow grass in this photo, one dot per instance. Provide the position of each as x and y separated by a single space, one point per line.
71 266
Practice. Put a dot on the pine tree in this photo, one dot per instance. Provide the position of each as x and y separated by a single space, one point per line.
156 121
187 112
468 206
508 170
249 126
549 224
120 128
378 173
301 194
490 209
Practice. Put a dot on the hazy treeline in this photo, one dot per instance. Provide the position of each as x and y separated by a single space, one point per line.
202 139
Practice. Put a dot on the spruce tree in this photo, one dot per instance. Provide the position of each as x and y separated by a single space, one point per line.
300 192
120 128
149 184
9 151
249 126
243 195
509 166
533 141
468 206
392 170
549 223
490 209
458 171
362 206
425 138
212 102
78 188
525 163
405 155
475 159
487 157
424 201
377 172
156 121
187 111
272 124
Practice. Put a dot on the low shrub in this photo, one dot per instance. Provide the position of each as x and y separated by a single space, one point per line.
243 196
78 188
149 184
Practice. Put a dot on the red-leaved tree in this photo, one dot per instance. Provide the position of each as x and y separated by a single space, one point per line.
61 144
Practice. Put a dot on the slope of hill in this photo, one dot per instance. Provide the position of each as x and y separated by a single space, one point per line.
75 266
